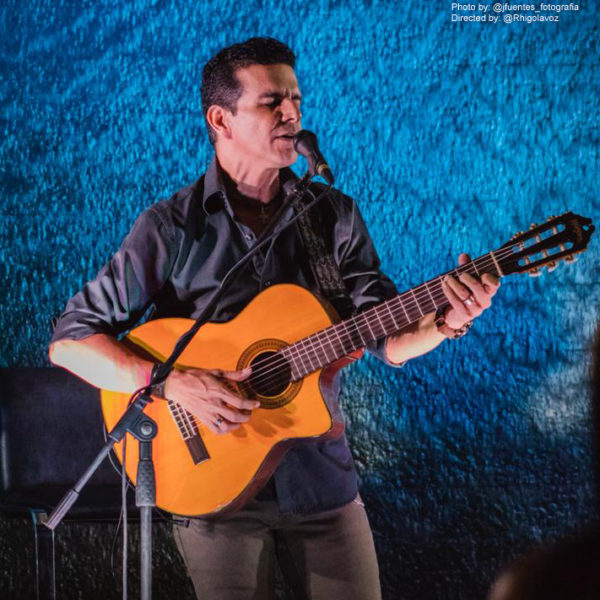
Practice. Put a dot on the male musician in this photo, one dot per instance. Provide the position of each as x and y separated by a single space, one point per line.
309 515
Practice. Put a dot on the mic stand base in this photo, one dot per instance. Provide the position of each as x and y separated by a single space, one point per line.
144 429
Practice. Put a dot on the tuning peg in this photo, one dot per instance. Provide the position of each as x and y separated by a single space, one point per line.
551 217
570 258
516 235
533 226
535 272
551 266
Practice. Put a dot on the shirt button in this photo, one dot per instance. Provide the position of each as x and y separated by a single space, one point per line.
267 283
249 236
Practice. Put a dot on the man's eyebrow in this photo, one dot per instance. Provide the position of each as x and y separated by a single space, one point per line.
277 94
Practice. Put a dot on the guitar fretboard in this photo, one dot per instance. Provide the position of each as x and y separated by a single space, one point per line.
330 344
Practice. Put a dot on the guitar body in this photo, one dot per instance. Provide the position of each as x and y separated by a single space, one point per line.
240 462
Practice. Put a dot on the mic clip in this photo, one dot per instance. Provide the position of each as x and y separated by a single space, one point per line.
295 187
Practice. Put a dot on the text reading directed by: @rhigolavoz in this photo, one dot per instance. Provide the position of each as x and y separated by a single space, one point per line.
506 12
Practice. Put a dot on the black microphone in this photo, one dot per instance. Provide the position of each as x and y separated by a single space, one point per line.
305 143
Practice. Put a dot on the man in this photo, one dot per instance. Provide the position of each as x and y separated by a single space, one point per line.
309 514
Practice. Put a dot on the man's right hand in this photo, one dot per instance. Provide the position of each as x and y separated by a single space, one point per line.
204 394
108 364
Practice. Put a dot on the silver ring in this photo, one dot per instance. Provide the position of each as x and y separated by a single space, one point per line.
218 421
468 301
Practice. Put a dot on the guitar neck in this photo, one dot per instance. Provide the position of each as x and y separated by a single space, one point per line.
328 345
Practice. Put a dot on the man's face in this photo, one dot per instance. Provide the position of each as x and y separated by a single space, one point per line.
267 116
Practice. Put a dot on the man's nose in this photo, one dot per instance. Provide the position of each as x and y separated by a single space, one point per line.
290 111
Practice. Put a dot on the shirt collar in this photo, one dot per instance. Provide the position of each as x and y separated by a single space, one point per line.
214 195
214 189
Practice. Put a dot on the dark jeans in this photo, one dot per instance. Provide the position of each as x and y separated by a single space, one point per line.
328 555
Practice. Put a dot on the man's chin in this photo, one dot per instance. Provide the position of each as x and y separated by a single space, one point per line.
289 158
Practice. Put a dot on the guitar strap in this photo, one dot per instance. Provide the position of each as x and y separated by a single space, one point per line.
323 266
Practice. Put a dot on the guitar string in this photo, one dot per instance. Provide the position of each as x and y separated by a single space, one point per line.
397 300
303 348
185 422
270 372
271 367
353 327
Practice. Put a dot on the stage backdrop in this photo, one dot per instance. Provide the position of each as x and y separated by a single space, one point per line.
451 135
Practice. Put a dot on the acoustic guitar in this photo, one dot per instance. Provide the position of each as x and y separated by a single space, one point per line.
295 345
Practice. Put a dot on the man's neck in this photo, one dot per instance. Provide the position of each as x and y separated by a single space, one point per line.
257 183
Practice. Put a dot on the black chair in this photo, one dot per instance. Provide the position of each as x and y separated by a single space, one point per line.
51 429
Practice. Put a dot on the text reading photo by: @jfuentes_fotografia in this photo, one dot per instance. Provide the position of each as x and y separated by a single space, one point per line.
510 13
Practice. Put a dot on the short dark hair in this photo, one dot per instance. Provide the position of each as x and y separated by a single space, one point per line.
220 85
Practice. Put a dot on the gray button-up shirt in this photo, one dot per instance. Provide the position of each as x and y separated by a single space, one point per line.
175 257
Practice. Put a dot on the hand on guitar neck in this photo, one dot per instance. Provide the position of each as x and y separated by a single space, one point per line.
468 296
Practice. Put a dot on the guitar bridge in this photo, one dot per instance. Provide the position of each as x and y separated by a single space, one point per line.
197 449
189 432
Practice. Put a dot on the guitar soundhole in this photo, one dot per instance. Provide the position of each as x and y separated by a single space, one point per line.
271 374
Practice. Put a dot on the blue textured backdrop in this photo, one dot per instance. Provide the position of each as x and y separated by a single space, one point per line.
452 136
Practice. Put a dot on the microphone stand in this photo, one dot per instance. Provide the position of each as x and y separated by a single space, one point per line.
142 427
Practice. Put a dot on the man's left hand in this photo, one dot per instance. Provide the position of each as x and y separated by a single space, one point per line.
468 296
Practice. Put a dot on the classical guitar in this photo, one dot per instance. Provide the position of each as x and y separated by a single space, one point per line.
295 345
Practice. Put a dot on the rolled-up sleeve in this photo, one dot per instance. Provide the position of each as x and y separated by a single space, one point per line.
360 268
123 289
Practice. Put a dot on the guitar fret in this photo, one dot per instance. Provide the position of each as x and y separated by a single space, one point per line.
304 356
401 302
300 360
329 338
396 327
430 294
342 345
383 328
318 339
496 264
315 348
366 321
416 301
357 325
287 353
331 351
437 282
348 335
306 348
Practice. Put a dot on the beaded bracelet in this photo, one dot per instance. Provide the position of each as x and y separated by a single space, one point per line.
157 389
445 329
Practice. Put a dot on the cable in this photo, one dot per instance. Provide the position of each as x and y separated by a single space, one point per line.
124 512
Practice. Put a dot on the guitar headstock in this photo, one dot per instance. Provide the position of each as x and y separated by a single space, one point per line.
559 238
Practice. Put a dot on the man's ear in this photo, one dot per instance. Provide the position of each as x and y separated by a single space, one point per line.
218 118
